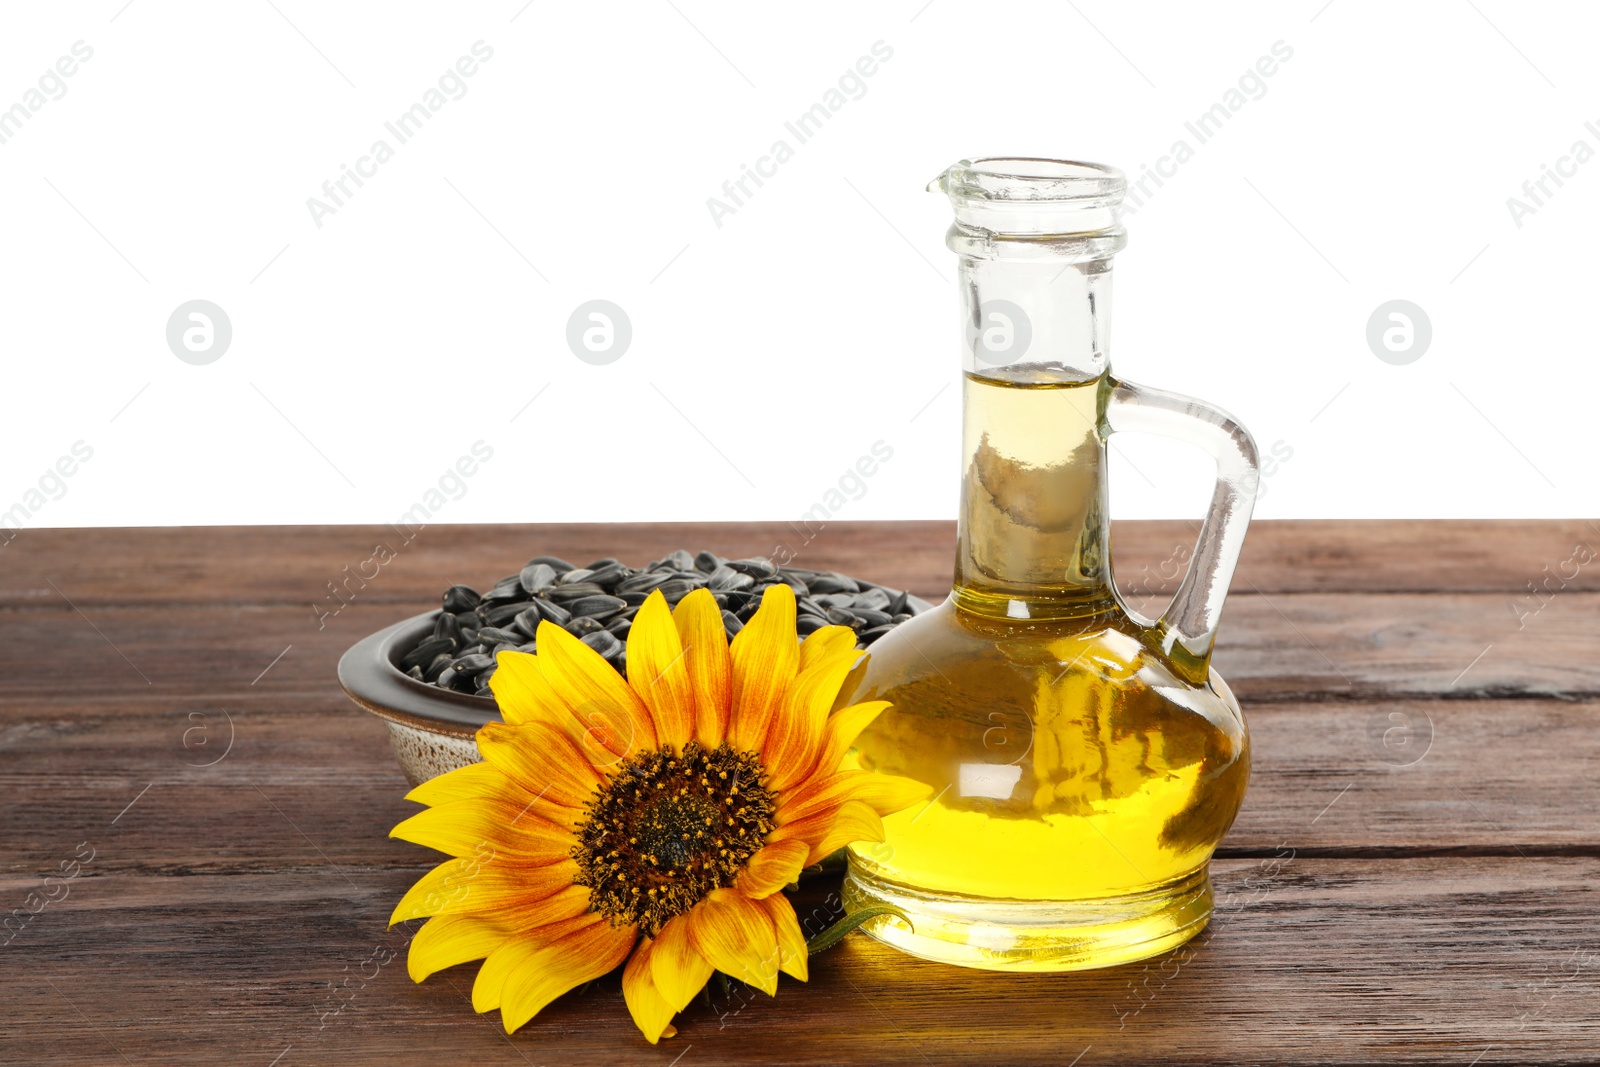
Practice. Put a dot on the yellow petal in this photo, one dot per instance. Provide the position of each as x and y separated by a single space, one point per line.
542 759
827 642
471 885
889 793
498 965
841 731
885 793
612 721
855 821
560 965
478 827
446 940
473 780
793 741
766 655
735 935
704 638
791 940
658 673
678 970
650 1010
772 868
522 693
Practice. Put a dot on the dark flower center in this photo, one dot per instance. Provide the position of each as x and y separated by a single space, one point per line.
670 828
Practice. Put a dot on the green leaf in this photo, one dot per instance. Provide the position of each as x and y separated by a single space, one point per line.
836 933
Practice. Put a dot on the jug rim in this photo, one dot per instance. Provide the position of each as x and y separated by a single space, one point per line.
1032 178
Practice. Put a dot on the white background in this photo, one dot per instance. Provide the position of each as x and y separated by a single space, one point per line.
772 351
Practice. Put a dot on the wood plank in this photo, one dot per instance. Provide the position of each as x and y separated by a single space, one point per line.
195 564
1438 960
1283 647
300 784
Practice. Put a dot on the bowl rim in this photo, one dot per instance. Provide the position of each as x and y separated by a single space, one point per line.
370 675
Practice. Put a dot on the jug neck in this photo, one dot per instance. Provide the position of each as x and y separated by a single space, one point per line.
1035 240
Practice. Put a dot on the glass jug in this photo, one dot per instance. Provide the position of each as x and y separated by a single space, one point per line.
1084 761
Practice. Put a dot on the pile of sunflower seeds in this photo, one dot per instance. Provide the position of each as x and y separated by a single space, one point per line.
597 603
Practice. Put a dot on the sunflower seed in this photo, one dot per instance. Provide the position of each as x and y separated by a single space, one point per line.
549 609
679 560
897 605
505 589
501 614
471 664
732 623
604 643
806 624
870 618
726 578
415 672
460 598
555 563
447 626
871 635
494 635
527 623
597 607
620 626
840 617
437 667
755 568
425 652
876 599
565 594
837 600
833 582
708 562
675 590
574 576
583 627
481 681
609 561
608 577
641 583
537 576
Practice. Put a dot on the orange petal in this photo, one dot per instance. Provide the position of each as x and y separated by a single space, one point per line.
658 673
559 965
705 652
678 970
478 827
446 940
522 693
791 940
650 1010
611 721
735 935
772 868
542 759
840 732
793 741
470 885
766 655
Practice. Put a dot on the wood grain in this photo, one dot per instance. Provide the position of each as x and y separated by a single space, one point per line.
195 564
1309 961
1412 878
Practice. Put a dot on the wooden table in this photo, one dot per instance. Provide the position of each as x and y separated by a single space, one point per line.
1415 876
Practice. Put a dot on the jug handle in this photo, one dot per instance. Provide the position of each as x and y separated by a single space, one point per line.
1187 630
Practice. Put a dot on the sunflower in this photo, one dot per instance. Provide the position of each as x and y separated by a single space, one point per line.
650 820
